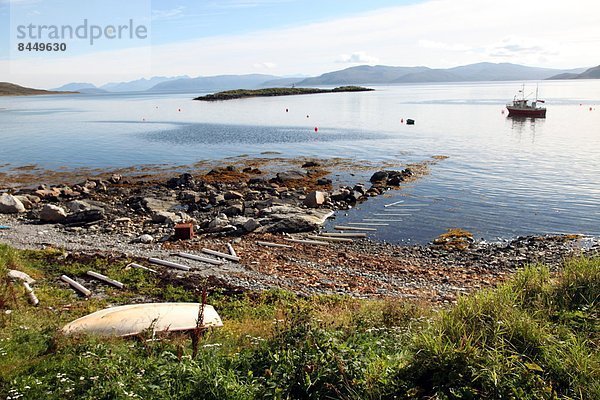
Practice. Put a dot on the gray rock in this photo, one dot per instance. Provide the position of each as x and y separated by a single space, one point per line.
234 209
217 199
27 203
85 216
340 194
311 164
251 225
146 239
219 222
314 199
291 176
155 205
165 217
53 214
184 180
291 219
189 196
379 176
9 204
78 205
233 195
115 178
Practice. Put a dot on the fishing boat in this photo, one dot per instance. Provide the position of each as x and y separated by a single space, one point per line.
521 106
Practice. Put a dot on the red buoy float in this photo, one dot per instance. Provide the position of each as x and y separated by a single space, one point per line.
316 129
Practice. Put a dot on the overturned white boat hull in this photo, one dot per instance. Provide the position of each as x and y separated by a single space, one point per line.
136 318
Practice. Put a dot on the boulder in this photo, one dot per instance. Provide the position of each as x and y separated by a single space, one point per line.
311 164
52 214
146 239
85 216
9 204
340 194
155 205
165 217
233 195
184 181
314 199
189 196
78 205
287 176
292 219
216 199
26 201
219 222
379 176
234 209
48 194
115 178
251 225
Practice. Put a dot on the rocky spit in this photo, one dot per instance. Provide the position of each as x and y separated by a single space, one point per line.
262 216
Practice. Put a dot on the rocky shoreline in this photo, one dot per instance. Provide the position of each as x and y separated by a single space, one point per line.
255 209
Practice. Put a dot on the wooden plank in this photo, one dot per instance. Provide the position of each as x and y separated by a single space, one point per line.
138 266
269 244
353 228
168 264
345 235
393 204
331 239
221 255
412 205
366 224
32 297
231 250
105 279
76 286
315 242
200 258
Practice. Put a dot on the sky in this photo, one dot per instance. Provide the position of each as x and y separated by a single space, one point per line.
292 37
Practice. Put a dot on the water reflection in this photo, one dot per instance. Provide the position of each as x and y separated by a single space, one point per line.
526 125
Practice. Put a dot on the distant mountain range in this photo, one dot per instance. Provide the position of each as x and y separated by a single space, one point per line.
363 74
139 85
212 83
381 74
10 89
592 73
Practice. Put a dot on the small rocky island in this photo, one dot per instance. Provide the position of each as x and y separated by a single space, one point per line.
269 92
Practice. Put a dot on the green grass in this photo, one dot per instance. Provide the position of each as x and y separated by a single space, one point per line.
535 337
270 92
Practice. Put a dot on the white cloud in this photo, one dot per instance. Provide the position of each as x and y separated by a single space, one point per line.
514 47
359 57
168 14
436 33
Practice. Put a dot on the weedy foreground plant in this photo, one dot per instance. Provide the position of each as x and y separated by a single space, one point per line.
535 337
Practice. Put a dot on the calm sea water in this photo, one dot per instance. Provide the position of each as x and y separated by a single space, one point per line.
503 177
